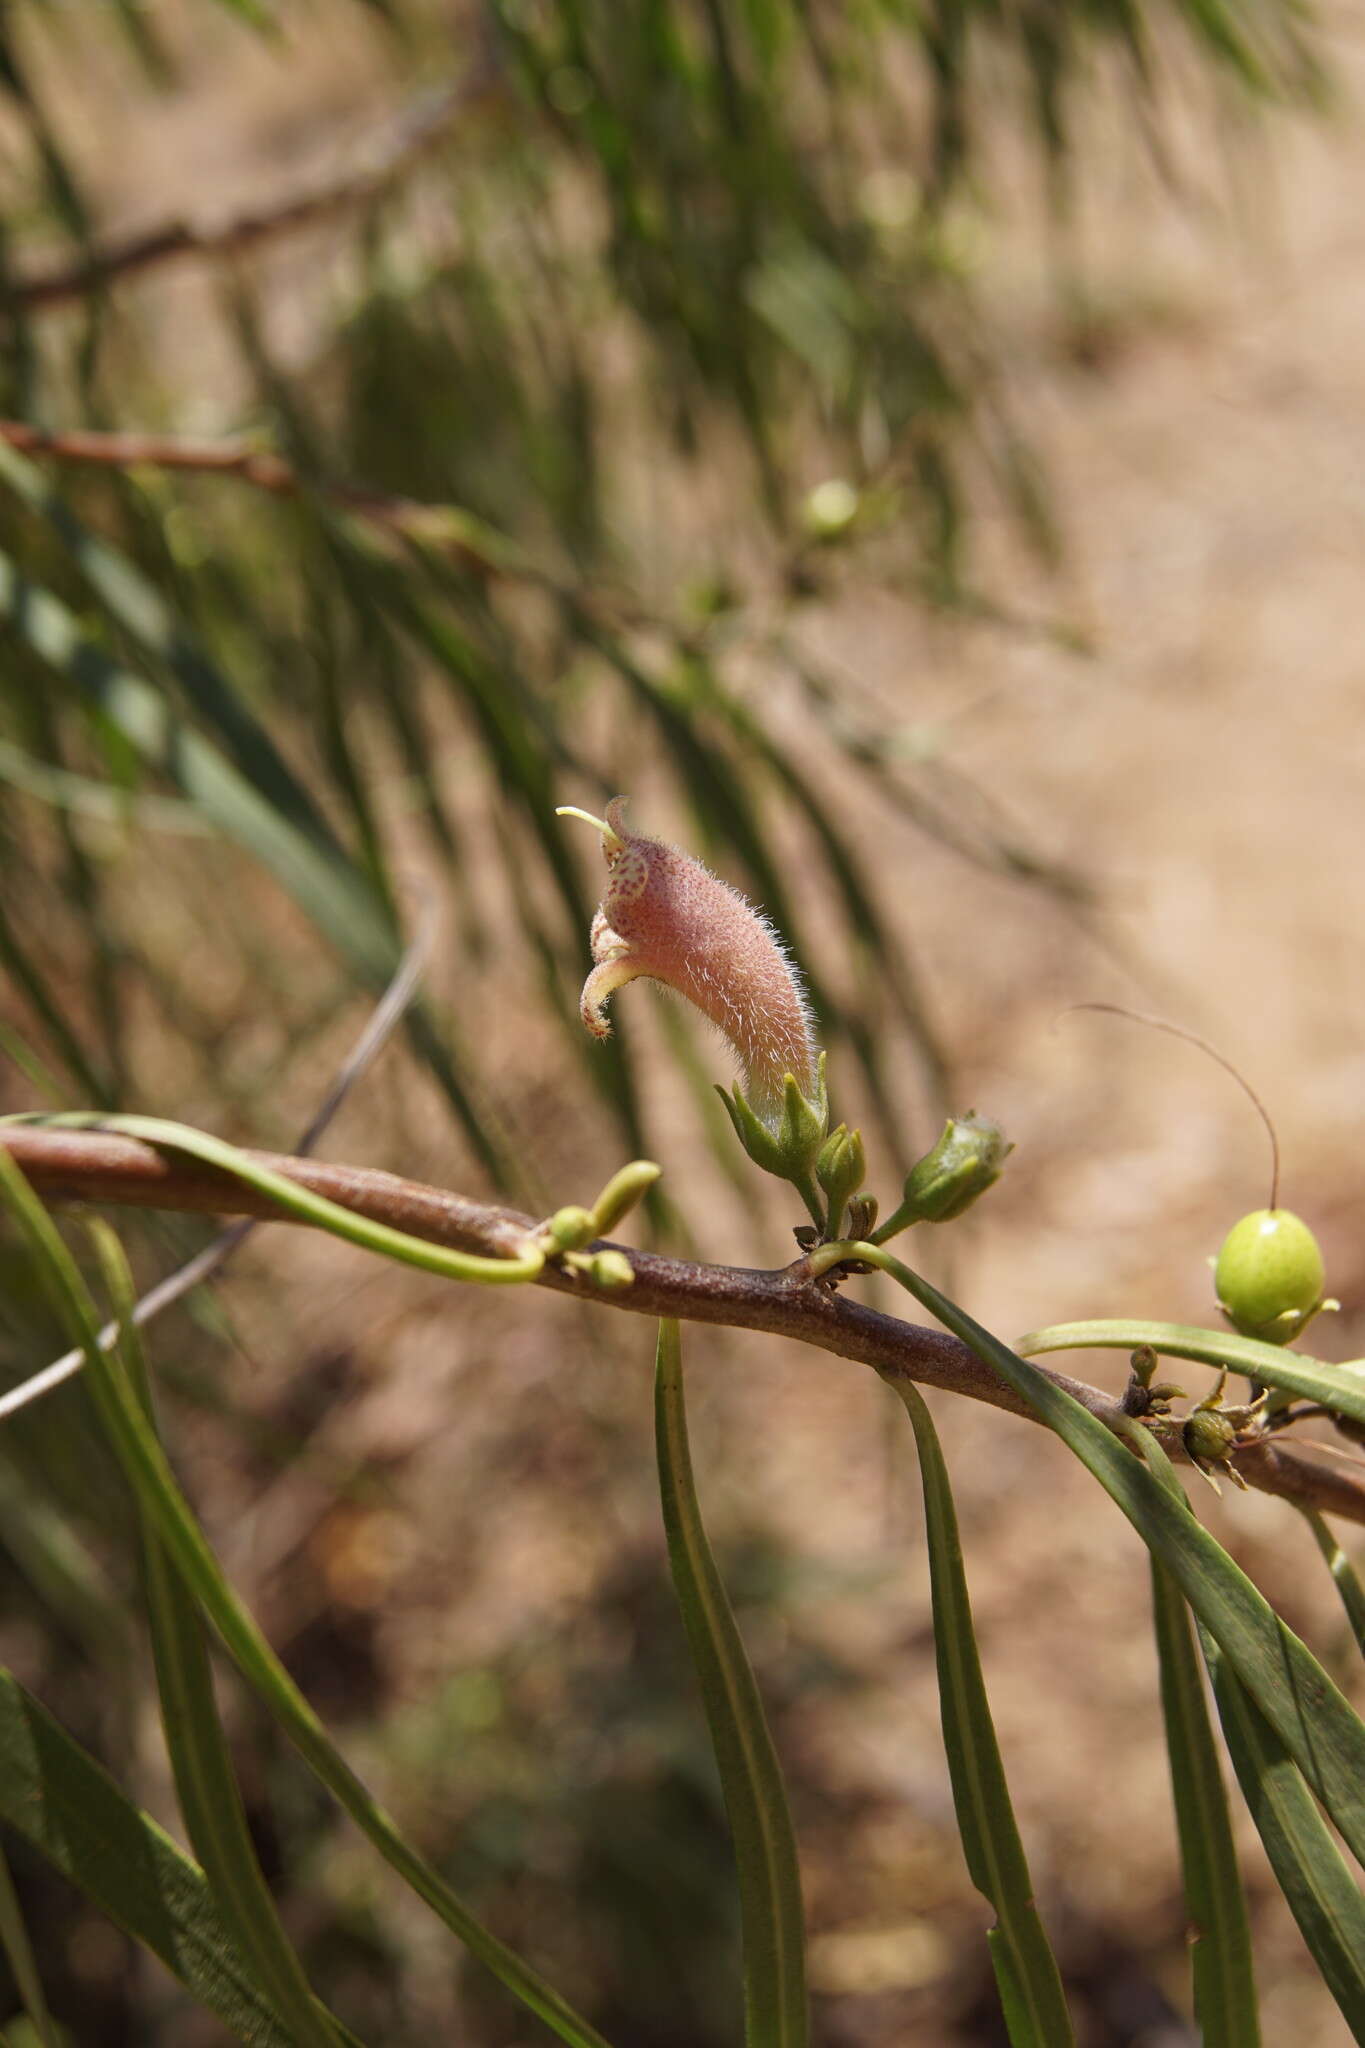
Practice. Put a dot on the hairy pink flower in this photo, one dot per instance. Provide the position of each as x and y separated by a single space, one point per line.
667 917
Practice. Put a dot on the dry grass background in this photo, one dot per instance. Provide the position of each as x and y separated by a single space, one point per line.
467 1547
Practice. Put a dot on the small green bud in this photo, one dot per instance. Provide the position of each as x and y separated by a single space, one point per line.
569 1229
789 1145
1142 1396
840 1170
1143 1364
968 1159
1269 1276
612 1270
621 1193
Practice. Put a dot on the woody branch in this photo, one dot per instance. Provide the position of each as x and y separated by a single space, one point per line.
446 529
95 1166
414 134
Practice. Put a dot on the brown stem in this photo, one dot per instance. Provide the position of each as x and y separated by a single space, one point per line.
446 527
99 1166
417 130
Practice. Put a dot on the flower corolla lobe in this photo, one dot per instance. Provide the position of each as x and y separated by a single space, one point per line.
666 917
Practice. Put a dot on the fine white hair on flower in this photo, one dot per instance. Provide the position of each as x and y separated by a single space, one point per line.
666 917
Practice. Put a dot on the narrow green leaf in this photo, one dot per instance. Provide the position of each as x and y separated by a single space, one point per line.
138 608
65 1804
146 1467
300 1202
76 1592
317 876
1343 1573
308 865
1339 1387
205 1782
751 1777
1220 1938
90 798
23 1964
1026 1971
48 1006
1309 1868
1312 1717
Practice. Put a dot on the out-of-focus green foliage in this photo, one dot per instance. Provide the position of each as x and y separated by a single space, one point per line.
677 323
639 250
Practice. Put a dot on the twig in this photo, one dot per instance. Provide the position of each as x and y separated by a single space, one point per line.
449 530
446 527
96 1166
416 131
387 1013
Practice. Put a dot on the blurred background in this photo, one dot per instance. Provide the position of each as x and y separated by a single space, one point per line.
919 454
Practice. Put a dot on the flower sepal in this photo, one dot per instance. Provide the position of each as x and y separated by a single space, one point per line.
968 1158
789 1143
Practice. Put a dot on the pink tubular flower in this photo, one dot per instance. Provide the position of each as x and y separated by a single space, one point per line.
665 916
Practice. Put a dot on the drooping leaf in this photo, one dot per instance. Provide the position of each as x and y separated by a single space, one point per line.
206 1784
14 1938
1343 1573
1220 1937
60 1800
313 870
755 1796
1317 1724
154 1485
1309 1868
1026 1969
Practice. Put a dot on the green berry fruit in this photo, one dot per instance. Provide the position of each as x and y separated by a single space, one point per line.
1270 1276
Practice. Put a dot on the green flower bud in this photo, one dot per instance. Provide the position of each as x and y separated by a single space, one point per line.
968 1159
840 1170
622 1192
1269 1276
1143 1395
569 1229
612 1270
789 1144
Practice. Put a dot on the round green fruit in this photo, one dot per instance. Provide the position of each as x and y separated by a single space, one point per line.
1269 1275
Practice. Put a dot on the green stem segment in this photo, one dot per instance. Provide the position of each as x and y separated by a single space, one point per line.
300 1202
810 1195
